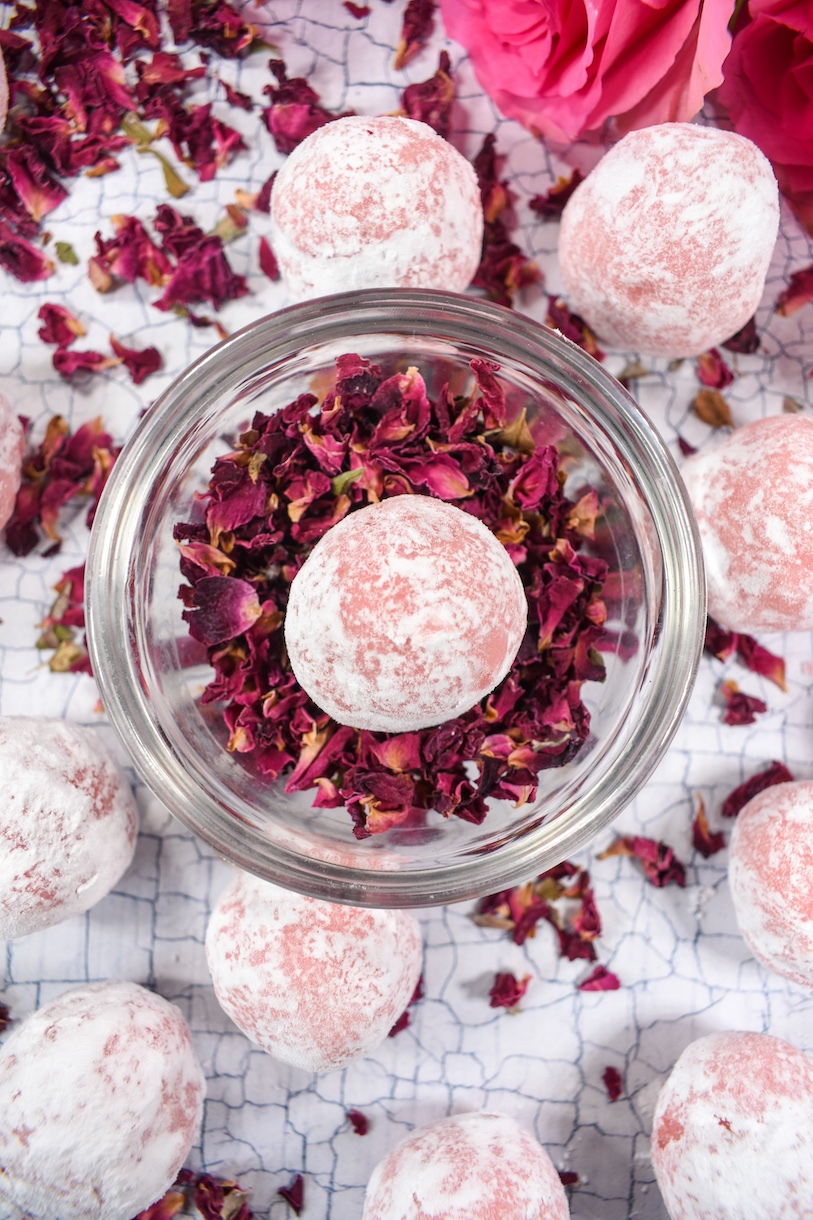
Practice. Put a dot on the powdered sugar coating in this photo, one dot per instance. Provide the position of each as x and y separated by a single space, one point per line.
11 445
770 871
665 246
101 1098
404 615
478 1166
753 499
375 203
314 984
733 1130
68 822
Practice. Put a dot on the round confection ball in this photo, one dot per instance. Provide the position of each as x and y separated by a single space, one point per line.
733 1130
752 496
375 203
770 871
68 822
404 615
313 983
101 1098
474 1166
11 453
665 246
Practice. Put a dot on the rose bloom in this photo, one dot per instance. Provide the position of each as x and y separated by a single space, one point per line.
768 92
563 67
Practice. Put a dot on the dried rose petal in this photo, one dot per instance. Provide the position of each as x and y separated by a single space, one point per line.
713 371
37 190
712 408
746 340
660 864
221 609
739 707
760 661
567 1177
68 363
139 362
507 990
601 979
166 1208
551 206
503 269
5 1017
613 1083
798 292
685 448
203 274
358 1121
572 327
21 259
431 101
416 26
268 261
295 111
357 10
294 1194
403 1021
777 773
720 642
704 841
60 326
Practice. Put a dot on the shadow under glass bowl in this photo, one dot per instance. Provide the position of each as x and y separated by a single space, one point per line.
139 644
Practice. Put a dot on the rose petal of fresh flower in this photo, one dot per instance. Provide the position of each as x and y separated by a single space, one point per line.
777 773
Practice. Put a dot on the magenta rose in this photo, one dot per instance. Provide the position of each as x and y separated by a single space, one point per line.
768 92
563 67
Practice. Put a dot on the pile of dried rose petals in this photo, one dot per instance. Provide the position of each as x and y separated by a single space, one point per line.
296 473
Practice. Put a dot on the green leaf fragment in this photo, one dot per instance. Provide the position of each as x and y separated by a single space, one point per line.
344 480
66 253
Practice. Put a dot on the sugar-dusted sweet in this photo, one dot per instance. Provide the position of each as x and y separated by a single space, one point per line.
313 983
665 246
375 203
11 454
733 1130
753 499
68 822
101 1098
770 872
476 1166
404 615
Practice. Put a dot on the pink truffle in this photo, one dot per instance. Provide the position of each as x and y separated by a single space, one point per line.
733 1130
314 984
101 1098
770 872
753 496
11 453
477 1166
68 823
375 203
404 615
665 246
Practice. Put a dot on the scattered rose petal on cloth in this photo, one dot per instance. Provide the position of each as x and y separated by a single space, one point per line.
613 1083
660 864
704 841
294 1194
739 707
358 1121
507 991
777 773
601 979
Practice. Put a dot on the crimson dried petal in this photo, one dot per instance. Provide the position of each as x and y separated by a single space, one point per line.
567 1177
601 979
431 101
798 292
295 111
203 274
39 192
357 10
685 448
746 340
132 254
776 773
507 990
215 24
416 26
138 362
221 608
739 707
268 261
713 371
574 947
358 1121
587 921
403 1021
173 1202
572 327
5 1017
760 661
503 268
660 864
719 641
613 1083
69 363
21 259
551 206
706 842
60 326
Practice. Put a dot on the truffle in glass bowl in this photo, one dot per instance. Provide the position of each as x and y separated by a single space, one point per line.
497 383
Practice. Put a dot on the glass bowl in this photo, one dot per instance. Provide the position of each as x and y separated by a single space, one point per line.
151 682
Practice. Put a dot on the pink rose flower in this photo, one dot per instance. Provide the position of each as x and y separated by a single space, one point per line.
768 92
563 67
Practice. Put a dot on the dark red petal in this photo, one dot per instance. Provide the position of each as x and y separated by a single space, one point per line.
359 1122
551 206
294 1194
613 1083
704 841
507 990
777 773
601 979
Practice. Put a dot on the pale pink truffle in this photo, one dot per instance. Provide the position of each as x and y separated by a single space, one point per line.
313 983
11 454
753 499
770 871
375 203
101 1098
68 822
478 1166
404 615
733 1130
665 246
